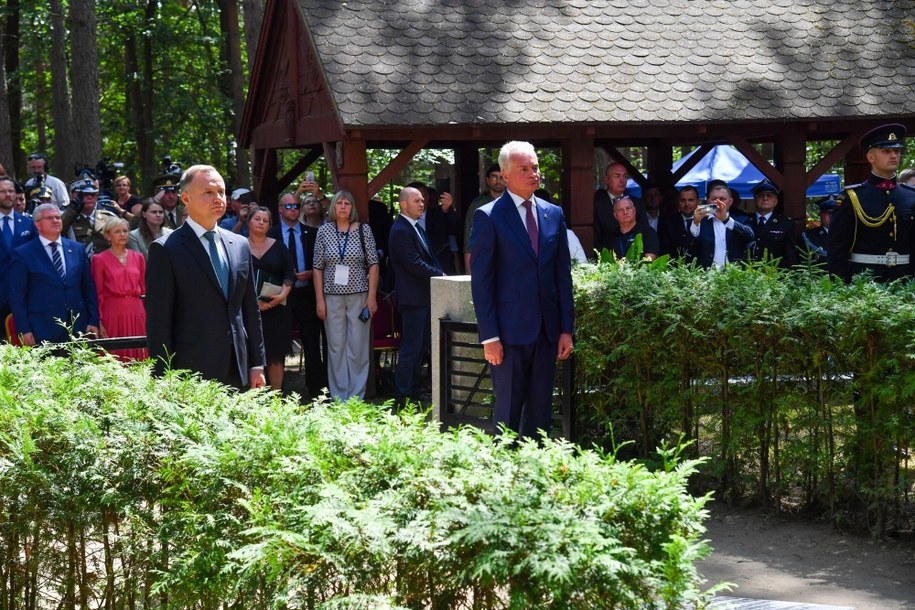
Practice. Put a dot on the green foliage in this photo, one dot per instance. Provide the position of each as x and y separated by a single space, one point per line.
798 387
121 490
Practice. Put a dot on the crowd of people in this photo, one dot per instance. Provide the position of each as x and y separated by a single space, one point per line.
109 263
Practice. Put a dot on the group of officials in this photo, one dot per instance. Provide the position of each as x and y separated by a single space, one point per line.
202 307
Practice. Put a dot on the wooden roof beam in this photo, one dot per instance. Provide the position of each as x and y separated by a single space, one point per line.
397 164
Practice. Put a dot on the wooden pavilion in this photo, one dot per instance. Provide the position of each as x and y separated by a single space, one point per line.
335 78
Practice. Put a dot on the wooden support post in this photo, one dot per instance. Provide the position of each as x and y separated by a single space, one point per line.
578 185
353 174
791 159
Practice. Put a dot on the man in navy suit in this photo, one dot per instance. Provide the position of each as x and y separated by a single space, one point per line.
719 237
522 293
50 284
411 256
201 308
15 230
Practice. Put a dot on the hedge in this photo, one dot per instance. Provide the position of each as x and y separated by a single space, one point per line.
798 388
119 490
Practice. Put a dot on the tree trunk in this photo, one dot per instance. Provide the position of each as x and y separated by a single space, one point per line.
86 125
148 163
60 92
254 18
234 85
14 86
6 142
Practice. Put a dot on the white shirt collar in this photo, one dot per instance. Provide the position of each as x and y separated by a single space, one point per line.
518 200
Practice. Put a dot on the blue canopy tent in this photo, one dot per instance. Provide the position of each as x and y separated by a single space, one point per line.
726 163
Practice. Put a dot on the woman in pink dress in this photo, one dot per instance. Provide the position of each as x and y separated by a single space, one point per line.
120 280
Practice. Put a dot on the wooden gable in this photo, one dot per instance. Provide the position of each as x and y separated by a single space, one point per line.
289 101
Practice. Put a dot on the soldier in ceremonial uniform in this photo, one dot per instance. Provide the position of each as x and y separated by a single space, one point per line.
774 232
871 227
814 240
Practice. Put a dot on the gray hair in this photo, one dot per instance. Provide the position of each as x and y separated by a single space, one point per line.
513 148
332 212
192 171
906 175
41 209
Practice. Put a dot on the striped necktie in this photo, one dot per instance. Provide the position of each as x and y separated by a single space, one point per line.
58 262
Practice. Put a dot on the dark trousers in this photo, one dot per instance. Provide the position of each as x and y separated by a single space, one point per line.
523 385
415 339
305 317
4 311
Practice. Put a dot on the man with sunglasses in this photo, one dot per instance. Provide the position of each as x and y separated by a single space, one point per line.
299 238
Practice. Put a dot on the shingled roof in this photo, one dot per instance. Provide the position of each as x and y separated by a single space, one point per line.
435 62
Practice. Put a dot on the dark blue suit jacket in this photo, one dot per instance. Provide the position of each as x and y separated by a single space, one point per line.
516 292
39 297
189 322
737 240
413 264
23 232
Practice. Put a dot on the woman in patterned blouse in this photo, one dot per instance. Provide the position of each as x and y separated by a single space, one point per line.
346 279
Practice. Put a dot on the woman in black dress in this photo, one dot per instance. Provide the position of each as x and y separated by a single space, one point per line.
274 277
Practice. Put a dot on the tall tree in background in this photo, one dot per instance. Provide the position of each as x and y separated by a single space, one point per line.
13 87
85 134
254 18
233 86
60 91
6 136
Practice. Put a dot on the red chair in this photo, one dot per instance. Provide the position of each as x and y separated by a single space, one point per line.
10 327
385 339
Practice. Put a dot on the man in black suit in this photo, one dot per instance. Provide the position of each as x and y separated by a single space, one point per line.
719 237
674 233
201 307
414 265
299 238
774 233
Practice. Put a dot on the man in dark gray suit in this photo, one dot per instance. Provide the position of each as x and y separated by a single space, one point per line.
201 307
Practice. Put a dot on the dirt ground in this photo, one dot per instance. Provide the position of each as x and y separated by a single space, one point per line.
776 558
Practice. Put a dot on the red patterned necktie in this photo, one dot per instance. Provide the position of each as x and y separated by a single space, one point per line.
531 227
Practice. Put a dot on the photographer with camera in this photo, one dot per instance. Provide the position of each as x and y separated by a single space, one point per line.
38 168
719 237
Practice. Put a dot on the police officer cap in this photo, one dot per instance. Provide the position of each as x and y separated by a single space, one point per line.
166 182
827 204
83 185
885 136
765 187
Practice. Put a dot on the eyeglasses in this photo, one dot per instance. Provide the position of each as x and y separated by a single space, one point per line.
291 206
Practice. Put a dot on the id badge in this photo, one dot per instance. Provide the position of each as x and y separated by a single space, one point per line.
341 275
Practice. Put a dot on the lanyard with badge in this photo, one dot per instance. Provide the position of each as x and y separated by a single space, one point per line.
341 271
